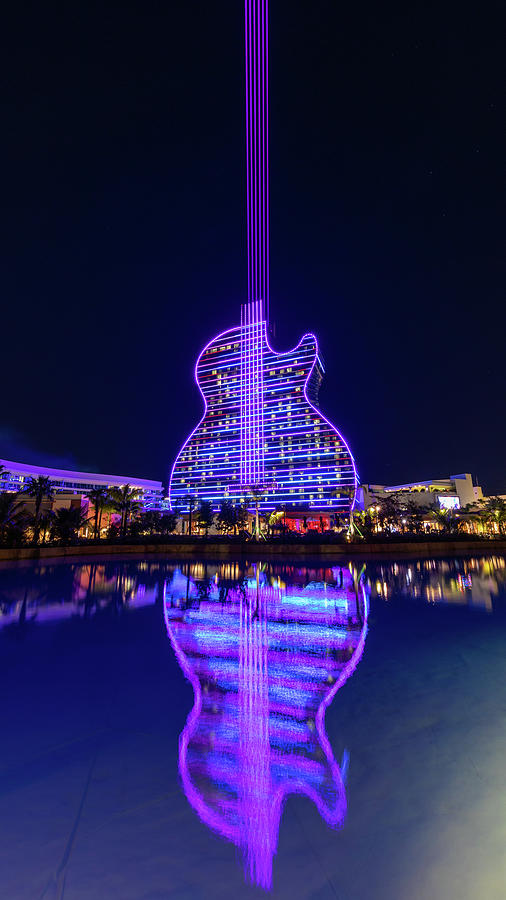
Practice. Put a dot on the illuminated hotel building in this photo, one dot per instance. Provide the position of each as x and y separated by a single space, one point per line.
64 481
262 439
292 430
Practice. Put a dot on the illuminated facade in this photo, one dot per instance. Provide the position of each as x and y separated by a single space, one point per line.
262 438
65 481
450 493
299 457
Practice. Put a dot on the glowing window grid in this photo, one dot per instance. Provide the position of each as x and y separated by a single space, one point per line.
296 452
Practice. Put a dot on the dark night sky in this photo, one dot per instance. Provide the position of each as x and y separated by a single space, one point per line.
123 225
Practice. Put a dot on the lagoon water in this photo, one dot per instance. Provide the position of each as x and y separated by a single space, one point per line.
222 730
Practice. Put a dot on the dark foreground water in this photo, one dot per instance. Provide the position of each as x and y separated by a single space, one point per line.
216 730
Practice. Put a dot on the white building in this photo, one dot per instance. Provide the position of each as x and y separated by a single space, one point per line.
454 492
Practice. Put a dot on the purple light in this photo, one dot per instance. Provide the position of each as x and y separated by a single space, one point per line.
245 438
257 164
188 439
264 666
237 425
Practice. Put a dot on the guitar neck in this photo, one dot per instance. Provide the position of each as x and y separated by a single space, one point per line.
257 161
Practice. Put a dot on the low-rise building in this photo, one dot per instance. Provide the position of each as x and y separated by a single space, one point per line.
453 492
71 485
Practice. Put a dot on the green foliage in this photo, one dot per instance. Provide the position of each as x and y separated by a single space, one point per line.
446 519
125 500
491 512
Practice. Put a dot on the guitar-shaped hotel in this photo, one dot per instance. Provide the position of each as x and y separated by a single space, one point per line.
262 431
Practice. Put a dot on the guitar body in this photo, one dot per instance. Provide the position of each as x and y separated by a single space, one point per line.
262 434
262 426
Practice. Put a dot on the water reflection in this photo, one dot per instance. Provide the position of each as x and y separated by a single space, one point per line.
41 592
472 581
265 659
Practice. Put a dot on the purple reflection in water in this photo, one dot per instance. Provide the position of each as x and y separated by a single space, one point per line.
265 660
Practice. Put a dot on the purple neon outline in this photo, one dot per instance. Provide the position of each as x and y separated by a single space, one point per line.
267 290
277 354
203 810
247 141
197 426
317 411
255 138
265 151
251 119
256 67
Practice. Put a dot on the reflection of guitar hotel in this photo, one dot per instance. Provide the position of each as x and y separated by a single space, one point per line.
264 662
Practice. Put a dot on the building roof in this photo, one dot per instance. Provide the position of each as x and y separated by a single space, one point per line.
70 475
429 483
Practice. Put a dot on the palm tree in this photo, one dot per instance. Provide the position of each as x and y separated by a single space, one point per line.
257 492
125 501
494 512
191 501
11 513
67 522
98 497
39 488
46 520
446 519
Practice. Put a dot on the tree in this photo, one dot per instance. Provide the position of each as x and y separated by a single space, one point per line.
39 488
256 492
46 521
446 519
67 522
493 510
98 497
227 517
366 523
126 502
168 523
415 514
148 522
391 510
205 515
11 517
242 516
191 500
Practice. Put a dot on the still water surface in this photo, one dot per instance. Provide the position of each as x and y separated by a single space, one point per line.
218 730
